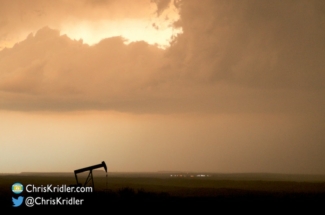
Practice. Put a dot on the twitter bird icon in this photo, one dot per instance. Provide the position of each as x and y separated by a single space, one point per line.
17 202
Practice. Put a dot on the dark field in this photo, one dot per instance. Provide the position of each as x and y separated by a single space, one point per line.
143 189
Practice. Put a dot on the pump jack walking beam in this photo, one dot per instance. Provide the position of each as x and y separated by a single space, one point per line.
90 175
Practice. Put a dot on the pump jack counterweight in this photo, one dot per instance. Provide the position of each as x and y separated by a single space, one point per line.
90 175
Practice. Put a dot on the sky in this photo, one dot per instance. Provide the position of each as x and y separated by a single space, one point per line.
219 86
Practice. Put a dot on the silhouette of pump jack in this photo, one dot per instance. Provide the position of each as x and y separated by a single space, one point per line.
90 175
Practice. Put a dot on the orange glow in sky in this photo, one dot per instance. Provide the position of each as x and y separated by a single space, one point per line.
153 29
162 85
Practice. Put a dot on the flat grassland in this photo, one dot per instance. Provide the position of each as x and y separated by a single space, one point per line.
172 188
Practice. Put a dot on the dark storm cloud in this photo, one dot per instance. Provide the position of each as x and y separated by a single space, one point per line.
256 43
247 56
240 90
51 69
161 5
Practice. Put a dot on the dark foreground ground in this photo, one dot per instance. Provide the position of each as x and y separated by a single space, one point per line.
143 190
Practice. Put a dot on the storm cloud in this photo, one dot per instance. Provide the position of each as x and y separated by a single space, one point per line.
239 89
232 56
